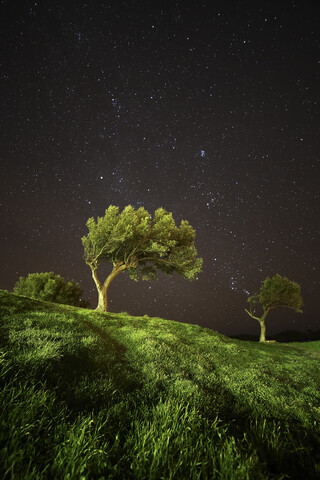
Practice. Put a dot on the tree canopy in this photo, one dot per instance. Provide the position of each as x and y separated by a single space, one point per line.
134 241
275 292
49 287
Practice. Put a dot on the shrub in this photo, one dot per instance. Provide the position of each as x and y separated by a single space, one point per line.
50 288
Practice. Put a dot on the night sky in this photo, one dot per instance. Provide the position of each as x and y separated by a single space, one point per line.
210 111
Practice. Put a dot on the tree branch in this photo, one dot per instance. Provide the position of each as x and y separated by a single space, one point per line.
271 306
95 276
251 315
97 256
157 259
118 268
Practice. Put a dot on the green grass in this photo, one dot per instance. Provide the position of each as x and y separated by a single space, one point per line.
312 345
86 395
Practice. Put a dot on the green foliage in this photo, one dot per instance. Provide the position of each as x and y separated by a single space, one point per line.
140 244
50 288
148 398
277 292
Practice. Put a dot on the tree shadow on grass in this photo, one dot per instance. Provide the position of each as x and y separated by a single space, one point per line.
110 343
86 378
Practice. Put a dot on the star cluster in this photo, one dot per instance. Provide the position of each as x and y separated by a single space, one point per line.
210 111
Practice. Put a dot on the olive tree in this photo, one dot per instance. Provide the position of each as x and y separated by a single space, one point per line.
132 240
275 292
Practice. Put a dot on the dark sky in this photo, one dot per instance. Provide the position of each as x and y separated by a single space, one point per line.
209 110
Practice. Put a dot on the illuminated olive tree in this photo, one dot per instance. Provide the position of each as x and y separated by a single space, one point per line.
131 240
275 292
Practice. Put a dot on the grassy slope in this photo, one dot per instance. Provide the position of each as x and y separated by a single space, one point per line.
89 395
311 345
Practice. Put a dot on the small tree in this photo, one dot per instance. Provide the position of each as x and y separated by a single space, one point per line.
50 288
133 241
275 292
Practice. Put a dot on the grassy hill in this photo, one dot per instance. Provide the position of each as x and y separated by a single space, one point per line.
86 395
288 336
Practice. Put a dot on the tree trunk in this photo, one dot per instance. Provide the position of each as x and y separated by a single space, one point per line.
263 331
103 288
263 326
102 300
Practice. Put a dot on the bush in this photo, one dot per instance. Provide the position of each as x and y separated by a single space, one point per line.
50 288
